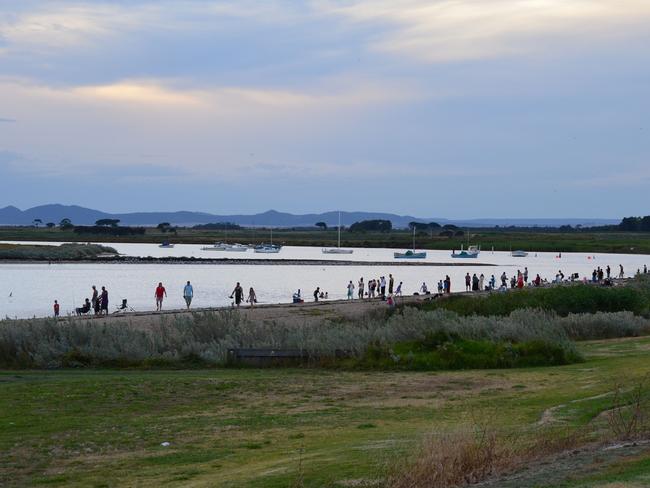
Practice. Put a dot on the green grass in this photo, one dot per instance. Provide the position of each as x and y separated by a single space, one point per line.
563 300
500 240
443 351
252 427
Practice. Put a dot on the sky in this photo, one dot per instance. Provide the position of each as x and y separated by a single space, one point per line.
438 108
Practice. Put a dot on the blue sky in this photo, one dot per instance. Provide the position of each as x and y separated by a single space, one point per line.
460 109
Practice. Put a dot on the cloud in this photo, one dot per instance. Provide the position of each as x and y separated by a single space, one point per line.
447 30
6 120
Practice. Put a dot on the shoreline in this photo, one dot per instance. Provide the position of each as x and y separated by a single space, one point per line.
238 261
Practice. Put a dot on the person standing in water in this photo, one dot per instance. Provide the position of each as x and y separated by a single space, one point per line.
252 297
188 294
159 294
238 293
350 290
621 273
361 288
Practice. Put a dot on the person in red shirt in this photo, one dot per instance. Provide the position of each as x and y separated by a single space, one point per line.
56 308
160 293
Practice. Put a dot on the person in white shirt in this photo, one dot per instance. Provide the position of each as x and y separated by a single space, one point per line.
188 294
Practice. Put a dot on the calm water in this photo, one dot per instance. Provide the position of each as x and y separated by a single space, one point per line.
34 287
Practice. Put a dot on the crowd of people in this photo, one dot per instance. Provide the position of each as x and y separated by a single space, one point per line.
376 288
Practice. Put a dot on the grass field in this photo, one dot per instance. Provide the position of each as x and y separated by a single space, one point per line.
500 240
294 427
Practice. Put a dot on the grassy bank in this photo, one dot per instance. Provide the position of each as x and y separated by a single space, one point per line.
311 428
412 339
500 240
563 300
64 252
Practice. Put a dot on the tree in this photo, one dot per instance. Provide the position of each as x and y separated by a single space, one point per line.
50 225
107 222
66 224
322 225
164 226
37 222
372 226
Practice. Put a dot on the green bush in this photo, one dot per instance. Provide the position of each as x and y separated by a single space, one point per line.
563 300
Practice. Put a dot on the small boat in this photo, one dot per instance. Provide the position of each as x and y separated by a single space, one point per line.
519 254
471 252
337 250
219 246
166 244
410 254
235 248
267 249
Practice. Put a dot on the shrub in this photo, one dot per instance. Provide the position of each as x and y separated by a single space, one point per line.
563 300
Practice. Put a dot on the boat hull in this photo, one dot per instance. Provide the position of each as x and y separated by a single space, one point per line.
410 255
337 250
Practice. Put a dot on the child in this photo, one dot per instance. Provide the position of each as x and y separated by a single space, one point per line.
56 308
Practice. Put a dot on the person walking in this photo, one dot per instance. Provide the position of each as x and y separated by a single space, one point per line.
621 273
252 297
504 279
350 290
398 290
103 301
56 308
188 294
94 301
526 274
423 289
361 288
468 282
238 293
159 294
382 284
316 293
609 271
441 287
448 283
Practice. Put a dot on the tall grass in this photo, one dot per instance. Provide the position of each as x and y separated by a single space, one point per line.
205 338
563 300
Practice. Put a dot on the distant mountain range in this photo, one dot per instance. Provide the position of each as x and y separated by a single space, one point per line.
86 216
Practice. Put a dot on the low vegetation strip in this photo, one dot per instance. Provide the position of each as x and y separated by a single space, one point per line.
563 300
64 252
412 339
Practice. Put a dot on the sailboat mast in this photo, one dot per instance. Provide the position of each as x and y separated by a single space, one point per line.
339 229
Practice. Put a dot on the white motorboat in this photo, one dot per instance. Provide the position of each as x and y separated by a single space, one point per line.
267 249
166 245
519 254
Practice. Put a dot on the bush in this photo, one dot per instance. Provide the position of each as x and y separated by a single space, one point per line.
563 300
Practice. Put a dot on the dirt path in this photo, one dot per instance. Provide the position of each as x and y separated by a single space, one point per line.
303 313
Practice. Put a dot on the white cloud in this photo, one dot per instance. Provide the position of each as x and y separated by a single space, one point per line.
471 29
